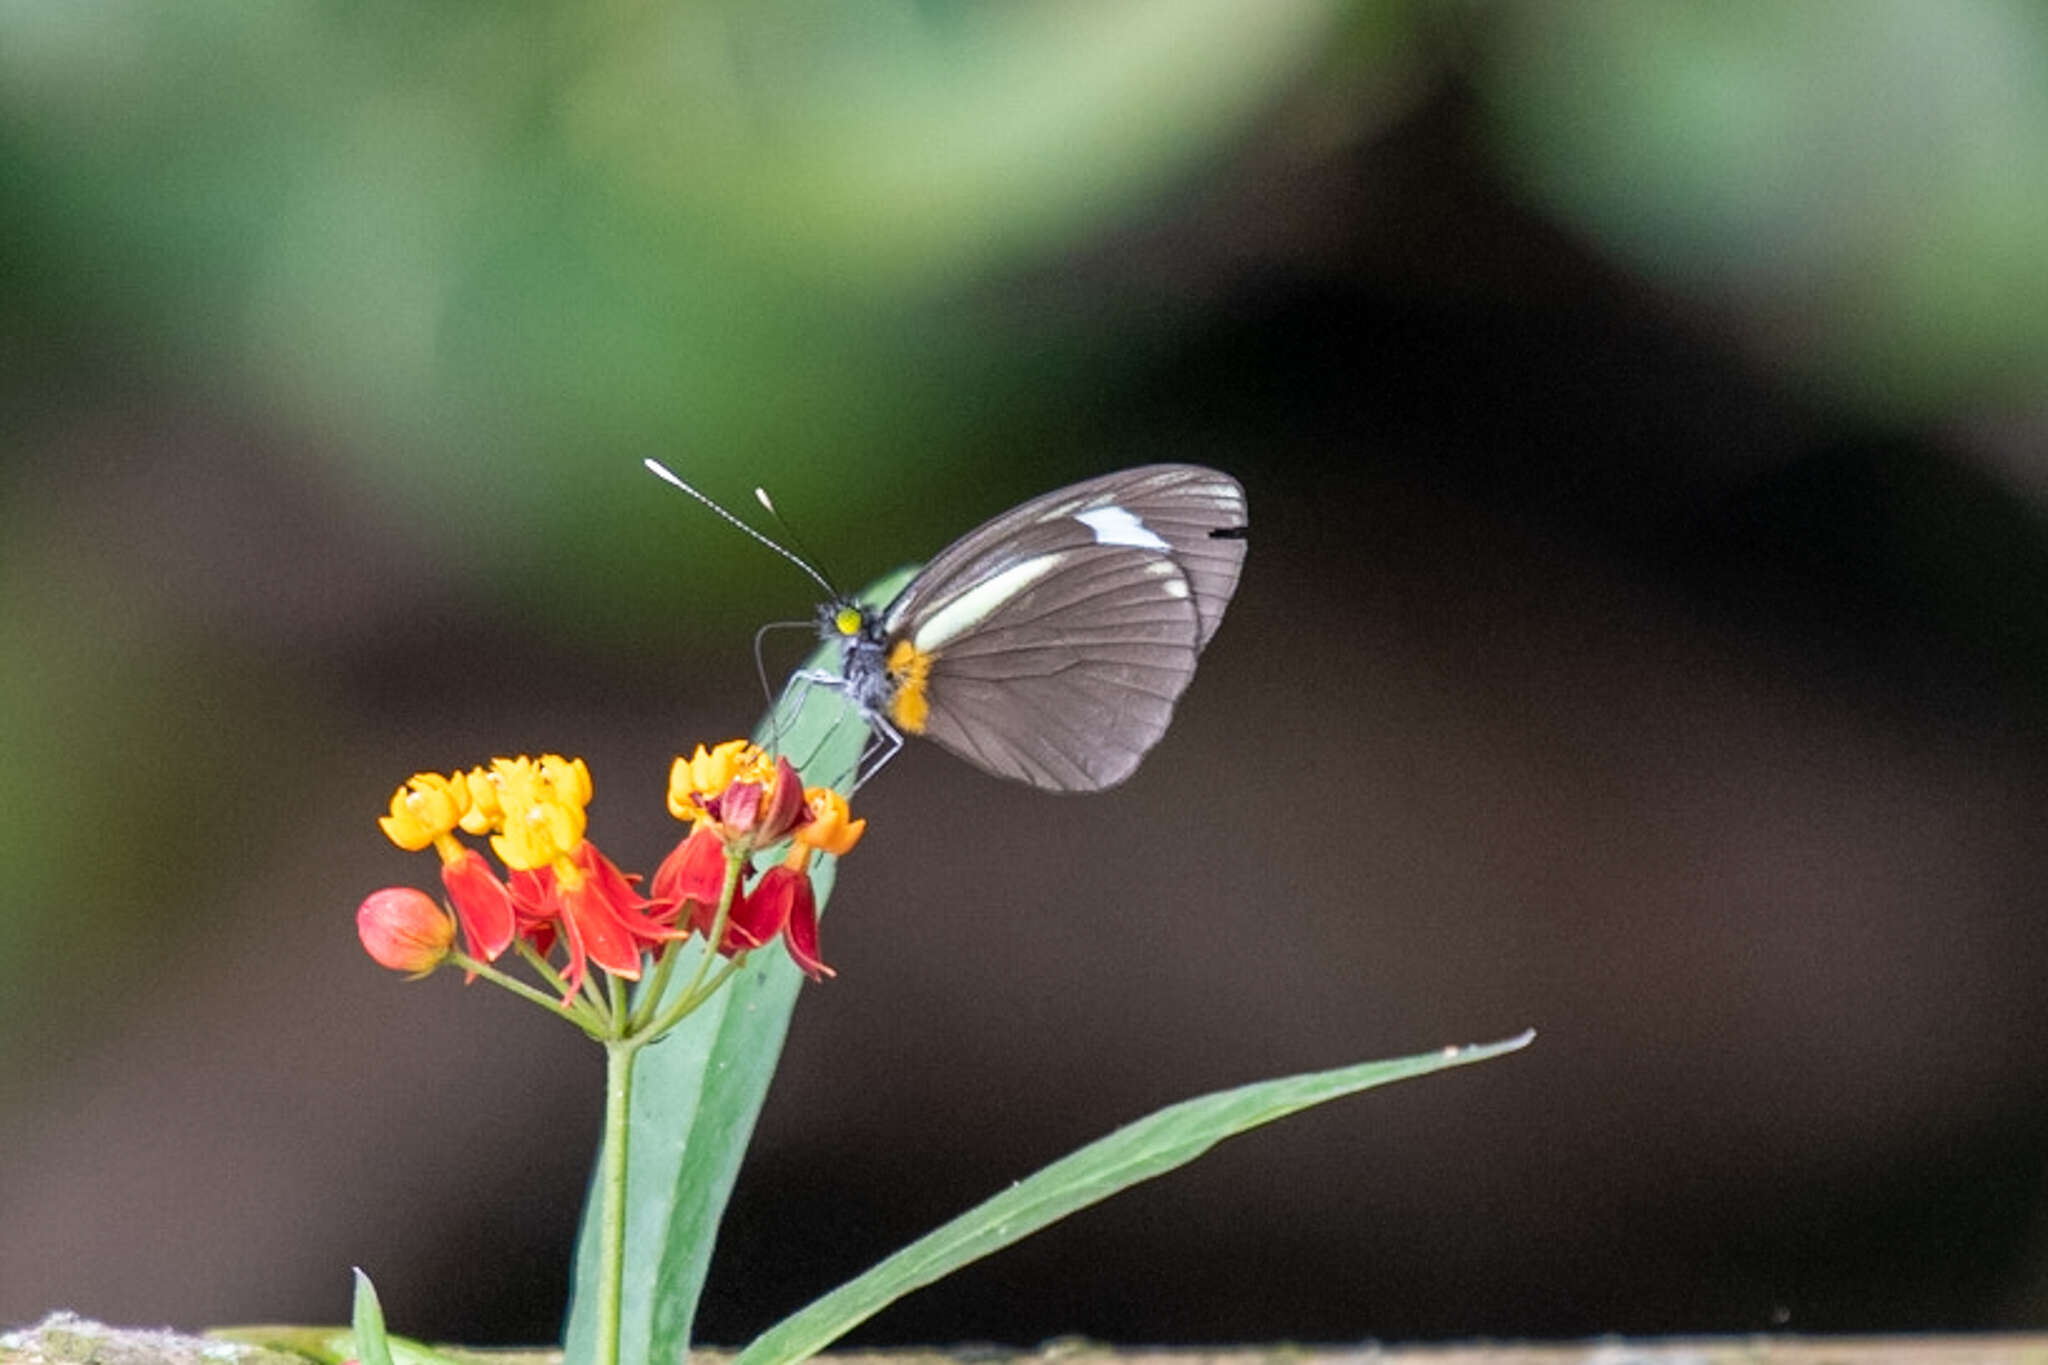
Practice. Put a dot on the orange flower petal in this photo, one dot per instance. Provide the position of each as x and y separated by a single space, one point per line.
830 830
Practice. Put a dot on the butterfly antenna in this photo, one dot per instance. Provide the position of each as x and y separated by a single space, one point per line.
663 472
789 534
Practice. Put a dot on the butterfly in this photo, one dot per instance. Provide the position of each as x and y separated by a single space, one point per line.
1049 644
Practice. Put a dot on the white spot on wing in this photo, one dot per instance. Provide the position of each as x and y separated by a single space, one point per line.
1114 526
979 602
1171 582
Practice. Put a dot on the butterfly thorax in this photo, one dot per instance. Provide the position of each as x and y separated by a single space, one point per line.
884 680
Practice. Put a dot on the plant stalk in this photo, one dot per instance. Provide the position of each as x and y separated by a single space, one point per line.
618 1097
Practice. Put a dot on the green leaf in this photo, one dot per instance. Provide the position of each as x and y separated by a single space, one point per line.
697 1093
1152 1146
372 1346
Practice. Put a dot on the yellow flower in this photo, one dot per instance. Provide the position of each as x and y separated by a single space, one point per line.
706 773
426 808
540 810
831 828
485 814
568 776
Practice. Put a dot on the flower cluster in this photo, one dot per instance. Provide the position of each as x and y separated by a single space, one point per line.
558 889
739 801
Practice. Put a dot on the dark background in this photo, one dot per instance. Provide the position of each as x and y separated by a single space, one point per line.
1644 639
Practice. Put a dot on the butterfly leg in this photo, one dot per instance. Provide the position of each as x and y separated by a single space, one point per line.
788 708
791 709
884 739
883 742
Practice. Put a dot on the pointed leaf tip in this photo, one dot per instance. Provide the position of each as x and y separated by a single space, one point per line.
1138 1151
373 1347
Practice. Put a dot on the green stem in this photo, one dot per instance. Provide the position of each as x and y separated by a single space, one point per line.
688 1000
551 1003
618 1095
732 964
733 864
616 987
594 997
533 959
655 986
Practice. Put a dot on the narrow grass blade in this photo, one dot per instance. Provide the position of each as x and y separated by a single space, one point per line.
1152 1146
697 1093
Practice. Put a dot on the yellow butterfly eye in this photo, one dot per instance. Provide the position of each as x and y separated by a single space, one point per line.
847 621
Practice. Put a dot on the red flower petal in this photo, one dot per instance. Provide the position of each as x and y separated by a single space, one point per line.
787 808
593 925
786 893
694 872
542 936
615 885
533 907
481 902
609 893
533 898
739 806
752 923
572 944
589 919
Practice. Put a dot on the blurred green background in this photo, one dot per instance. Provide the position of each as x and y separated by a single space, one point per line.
1645 637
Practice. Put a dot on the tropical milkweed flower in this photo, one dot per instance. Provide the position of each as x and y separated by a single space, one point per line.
784 894
426 812
557 888
560 886
751 800
739 801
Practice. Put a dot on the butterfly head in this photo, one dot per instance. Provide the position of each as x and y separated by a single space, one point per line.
863 653
841 620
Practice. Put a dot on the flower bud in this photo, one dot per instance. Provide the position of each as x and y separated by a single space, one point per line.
404 930
757 815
